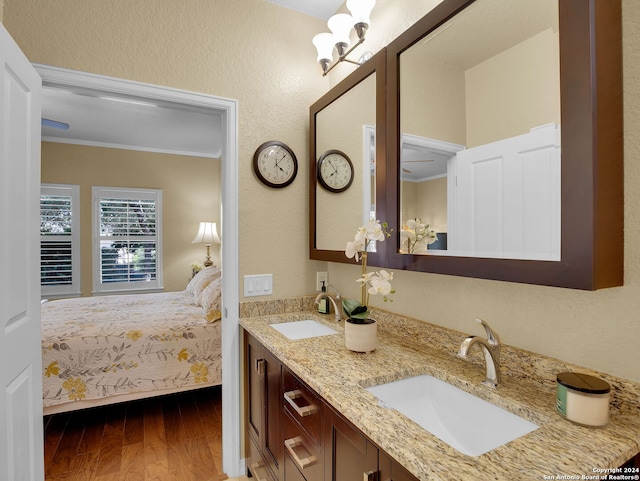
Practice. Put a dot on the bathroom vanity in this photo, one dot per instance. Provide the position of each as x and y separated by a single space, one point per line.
293 435
309 415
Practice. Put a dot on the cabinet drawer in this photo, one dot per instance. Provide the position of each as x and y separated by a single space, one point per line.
303 405
256 464
291 472
301 453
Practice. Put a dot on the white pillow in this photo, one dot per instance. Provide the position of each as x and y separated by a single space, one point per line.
202 279
211 300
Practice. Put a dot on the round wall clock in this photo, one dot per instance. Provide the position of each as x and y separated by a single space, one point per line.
335 171
275 164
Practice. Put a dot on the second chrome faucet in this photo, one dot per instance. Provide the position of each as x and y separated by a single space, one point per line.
490 349
336 301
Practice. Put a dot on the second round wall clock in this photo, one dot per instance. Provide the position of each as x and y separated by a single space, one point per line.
335 171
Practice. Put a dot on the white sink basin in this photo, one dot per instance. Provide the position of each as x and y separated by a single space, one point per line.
465 422
302 329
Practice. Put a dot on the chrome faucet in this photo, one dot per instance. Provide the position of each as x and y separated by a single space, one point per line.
336 300
490 349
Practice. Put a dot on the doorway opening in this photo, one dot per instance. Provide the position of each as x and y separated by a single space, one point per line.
223 111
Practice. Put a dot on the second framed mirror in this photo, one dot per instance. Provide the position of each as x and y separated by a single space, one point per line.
521 107
347 161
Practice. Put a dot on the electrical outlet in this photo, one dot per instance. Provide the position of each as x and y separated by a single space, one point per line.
320 278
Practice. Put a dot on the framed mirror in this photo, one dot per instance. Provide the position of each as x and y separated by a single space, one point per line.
347 123
480 143
549 213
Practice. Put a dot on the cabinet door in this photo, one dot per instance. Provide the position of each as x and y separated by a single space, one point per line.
255 375
348 453
273 444
256 464
391 470
263 403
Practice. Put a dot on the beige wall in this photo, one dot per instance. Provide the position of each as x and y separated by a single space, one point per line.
426 200
432 97
524 78
193 46
432 203
408 201
251 50
190 194
501 97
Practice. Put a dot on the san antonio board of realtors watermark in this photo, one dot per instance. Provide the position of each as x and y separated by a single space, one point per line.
610 474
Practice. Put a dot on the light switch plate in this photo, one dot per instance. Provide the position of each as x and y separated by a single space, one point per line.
258 285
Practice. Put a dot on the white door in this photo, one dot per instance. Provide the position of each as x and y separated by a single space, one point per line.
508 197
21 443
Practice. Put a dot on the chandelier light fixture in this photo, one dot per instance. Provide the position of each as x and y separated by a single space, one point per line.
339 39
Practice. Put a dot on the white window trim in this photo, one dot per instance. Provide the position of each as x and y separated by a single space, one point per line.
73 290
98 192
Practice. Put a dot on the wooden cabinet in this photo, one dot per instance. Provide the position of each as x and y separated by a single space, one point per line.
349 455
293 435
263 410
391 470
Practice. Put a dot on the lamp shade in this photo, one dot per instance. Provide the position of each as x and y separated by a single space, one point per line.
207 234
340 26
324 44
361 10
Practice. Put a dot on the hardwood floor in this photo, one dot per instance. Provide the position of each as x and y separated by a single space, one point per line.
176 437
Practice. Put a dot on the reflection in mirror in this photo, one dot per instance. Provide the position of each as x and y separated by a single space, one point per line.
424 175
480 139
347 125
369 176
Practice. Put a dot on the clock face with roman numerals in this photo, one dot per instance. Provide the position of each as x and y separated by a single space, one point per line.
335 171
275 164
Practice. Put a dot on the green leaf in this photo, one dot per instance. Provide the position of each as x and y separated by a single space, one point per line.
354 310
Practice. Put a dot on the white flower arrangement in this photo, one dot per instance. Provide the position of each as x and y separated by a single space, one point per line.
372 283
379 282
418 236
196 267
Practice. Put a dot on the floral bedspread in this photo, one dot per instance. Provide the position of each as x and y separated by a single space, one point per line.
95 347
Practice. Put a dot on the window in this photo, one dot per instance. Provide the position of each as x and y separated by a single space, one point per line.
127 239
59 240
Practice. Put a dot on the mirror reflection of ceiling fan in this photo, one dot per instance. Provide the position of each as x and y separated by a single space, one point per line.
55 124
406 170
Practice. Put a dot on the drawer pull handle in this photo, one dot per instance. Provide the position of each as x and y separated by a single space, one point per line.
260 366
291 396
370 476
256 474
291 445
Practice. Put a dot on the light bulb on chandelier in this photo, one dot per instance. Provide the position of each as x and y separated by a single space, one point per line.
341 25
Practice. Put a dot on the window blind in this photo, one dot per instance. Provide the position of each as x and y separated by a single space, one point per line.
128 244
59 272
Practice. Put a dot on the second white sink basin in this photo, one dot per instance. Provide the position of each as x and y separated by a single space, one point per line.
302 329
465 422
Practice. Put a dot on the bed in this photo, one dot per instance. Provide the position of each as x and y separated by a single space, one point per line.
107 349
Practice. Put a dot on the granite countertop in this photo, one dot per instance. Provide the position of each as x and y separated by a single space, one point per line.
559 449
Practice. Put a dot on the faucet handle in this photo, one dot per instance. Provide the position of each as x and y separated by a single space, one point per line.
492 336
